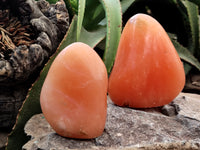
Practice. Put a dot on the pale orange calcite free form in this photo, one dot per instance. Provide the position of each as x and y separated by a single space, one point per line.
74 95
147 71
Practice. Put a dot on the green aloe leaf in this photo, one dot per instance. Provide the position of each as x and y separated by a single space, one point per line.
192 11
114 26
92 38
125 4
190 16
94 14
81 11
197 2
186 56
95 18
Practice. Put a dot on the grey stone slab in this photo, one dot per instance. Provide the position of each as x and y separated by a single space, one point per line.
128 128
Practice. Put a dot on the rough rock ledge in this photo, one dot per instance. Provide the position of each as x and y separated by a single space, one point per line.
174 126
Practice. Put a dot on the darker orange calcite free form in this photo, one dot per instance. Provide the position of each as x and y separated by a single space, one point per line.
147 71
74 94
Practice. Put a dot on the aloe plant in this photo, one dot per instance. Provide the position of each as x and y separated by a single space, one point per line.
98 23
